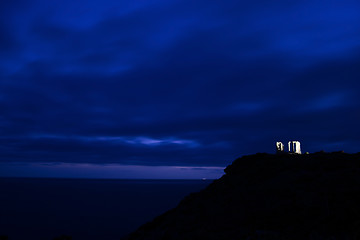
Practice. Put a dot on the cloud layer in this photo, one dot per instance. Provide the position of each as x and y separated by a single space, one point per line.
176 82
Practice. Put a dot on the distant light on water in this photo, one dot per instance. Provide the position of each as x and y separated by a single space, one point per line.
112 171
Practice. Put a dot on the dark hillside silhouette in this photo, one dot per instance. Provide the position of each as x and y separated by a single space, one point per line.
267 196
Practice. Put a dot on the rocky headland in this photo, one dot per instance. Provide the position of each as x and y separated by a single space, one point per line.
270 196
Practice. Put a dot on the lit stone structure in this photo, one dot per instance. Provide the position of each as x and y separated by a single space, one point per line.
279 147
294 147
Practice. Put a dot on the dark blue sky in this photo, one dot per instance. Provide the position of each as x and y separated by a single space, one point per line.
176 83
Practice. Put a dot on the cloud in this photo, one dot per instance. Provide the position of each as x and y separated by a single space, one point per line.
176 83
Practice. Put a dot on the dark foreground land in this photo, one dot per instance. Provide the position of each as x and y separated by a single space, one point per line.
265 196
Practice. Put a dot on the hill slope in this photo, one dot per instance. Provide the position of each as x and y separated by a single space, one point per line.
266 196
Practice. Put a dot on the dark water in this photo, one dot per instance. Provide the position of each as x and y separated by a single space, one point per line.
85 209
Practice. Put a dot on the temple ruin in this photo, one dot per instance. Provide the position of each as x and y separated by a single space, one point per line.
293 146
279 147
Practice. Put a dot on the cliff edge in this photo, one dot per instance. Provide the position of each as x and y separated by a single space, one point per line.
268 196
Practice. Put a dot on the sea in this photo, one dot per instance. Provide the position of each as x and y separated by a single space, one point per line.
85 209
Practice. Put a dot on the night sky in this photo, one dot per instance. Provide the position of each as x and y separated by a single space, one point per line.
111 84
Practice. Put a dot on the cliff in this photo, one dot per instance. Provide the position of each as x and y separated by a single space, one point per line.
267 196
